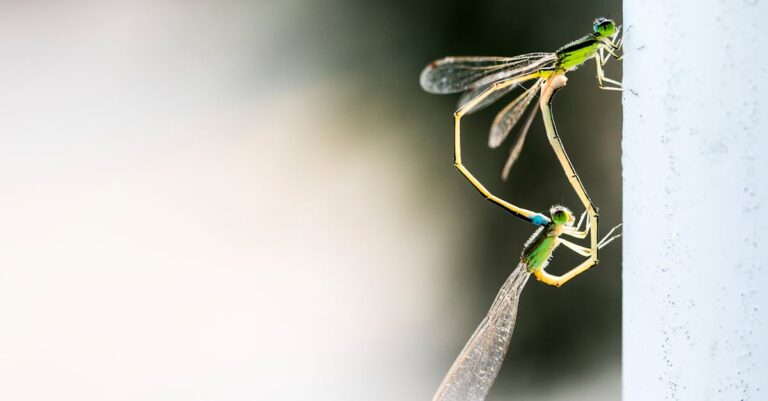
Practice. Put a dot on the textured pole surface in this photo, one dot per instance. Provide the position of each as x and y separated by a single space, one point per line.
695 174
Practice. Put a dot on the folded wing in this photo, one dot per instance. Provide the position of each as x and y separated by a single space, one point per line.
475 369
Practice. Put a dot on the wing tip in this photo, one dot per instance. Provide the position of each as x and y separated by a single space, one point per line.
494 140
425 79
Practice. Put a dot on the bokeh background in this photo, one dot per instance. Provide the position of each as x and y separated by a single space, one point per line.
231 200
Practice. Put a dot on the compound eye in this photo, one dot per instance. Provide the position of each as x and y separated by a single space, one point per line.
560 214
560 217
596 25
604 27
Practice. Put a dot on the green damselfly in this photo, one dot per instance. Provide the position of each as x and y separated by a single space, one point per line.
486 79
475 369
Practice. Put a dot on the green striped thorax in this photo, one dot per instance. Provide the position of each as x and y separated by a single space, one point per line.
574 54
538 250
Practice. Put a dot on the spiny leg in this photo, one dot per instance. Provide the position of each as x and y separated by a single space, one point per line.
592 260
519 212
584 251
617 44
581 220
613 53
617 41
608 238
557 281
576 231
612 46
601 78
602 58
581 250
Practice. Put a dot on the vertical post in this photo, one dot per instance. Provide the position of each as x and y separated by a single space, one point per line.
695 165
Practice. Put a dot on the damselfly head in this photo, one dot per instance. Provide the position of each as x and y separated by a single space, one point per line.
561 215
604 27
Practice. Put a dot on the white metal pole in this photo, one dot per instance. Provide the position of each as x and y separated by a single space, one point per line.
695 168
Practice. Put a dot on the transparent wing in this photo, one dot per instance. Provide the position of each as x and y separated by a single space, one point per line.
475 369
514 152
546 60
485 83
456 74
474 92
510 115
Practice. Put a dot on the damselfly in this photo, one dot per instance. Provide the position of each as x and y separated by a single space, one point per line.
486 79
475 369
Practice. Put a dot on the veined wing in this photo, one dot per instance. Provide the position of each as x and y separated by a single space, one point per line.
510 115
514 152
474 92
456 74
475 369
548 60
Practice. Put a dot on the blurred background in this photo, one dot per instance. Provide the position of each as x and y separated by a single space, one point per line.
238 200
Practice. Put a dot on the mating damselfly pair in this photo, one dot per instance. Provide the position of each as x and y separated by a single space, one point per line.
482 81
